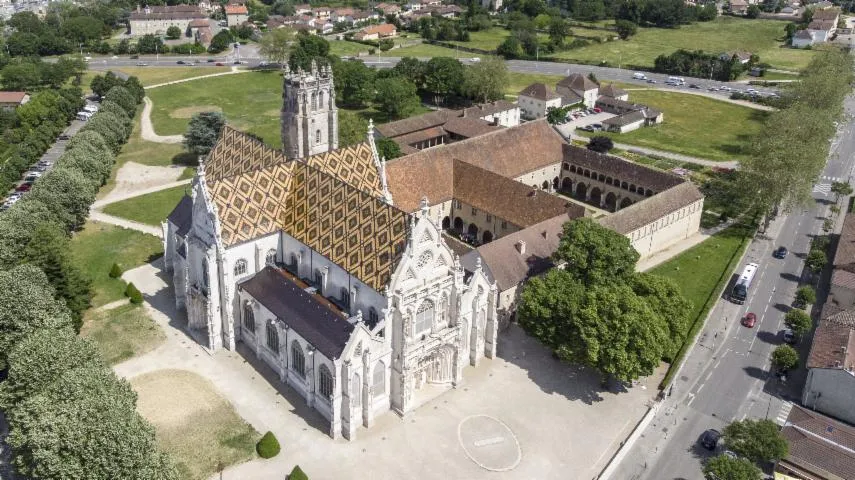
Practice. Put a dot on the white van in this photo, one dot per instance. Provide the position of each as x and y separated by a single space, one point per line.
677 80
91 108
639 76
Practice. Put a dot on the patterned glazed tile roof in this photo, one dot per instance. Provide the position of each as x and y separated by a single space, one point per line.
258 192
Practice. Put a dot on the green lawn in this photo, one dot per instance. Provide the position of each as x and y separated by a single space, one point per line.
518 81
424 50
151 208
701 273
99 245
155 75
343 47
695 125
122 332
250 102
763 37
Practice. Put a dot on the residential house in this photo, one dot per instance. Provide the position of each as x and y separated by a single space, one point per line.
445 11
377 32
625 123
742 56
388 8
13 100
830 384
577 88
612 91
302 9
200 30
322 12
236 14
820 448
803 38
416 5
536 99
823 24
157 19
738 7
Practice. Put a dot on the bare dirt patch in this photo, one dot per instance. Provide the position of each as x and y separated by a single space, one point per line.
194 424
188 112
134 177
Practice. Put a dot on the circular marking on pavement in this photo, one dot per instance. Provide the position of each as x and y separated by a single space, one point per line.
489 443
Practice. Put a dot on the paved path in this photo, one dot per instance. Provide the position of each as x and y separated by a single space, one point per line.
692 91
670 155
99 204
233 71
147 129
100 216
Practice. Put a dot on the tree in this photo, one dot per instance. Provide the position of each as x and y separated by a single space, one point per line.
664 297
67 193
411 69
309 48
724 467
115 271
219 42
124 98
759 441
173 32
798 321
203 131
625 28
785 357
275 45
752 12
486 80
354 83
297 474
558 31
352 128
151 44
840 189
816 260
27 304
510 48
388 148
21 76
601 144
443 76
595 254
790 30
806 295
396 97
589 10
556 115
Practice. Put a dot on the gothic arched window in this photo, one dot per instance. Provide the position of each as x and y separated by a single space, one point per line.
325 382
345 297
372 316
424 317
379 380
314 101
248 318
298 360
317 136
321 99
270 259
272 337
240 267
205 274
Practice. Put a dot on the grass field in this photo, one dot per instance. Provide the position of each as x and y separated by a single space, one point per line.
343 47
425 50
763 37
717 258
195 425
122 332
151 208
250 102
155 75
99 245
695 125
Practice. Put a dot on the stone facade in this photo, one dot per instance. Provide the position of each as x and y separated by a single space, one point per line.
309 112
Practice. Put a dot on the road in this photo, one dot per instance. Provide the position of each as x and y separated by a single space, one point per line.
250 56
726 375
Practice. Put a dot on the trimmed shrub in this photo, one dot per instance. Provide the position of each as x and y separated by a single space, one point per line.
297 474
268 446
115 271
133 293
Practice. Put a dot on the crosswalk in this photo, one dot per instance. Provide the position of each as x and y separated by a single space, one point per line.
824 187
783 413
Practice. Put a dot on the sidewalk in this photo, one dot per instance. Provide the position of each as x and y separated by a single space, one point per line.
670 155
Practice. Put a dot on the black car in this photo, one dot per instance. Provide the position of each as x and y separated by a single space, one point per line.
180 62
211 60
694 86
64 136
780 252
710 438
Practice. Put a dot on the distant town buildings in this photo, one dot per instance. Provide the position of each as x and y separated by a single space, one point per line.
821 29
156 20
13 100
377 32
236 14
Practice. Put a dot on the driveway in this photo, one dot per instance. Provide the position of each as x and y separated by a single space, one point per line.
521 415
568 128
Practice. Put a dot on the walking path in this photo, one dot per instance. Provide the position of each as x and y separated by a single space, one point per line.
744 103
233 71
670 155
100 216
147 129
99 204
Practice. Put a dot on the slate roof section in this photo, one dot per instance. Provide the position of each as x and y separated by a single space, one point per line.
429 173
577 82
182 215
844 255
826 14
819 447
321 326
625 119
485 109
508 199
506 265
804 35
540 92
413 124
612 91
834 342
843 278
170 12
469 127
616 167
650 209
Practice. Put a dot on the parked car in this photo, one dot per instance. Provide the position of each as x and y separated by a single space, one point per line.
650 80
64 136
713 89
211 60
220 64
24 187
598 110
142 64
134 57
710 438
180 62
780 252
597 126
749 320
789 336
639 76
696 87
588 128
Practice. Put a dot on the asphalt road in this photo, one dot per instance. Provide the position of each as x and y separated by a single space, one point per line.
250 58
726 376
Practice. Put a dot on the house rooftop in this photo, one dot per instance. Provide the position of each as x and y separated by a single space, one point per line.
236 10
625 119
539 91
819 447
577 82
12 97
643 212
612 91
834 342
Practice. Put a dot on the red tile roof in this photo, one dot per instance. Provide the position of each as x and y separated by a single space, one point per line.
236 10
819 447
834 342
12 97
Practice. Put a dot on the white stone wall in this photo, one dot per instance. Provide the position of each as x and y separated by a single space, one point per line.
505 118
532 108
157 27
234 20
591 97
830 391
664 232
544 174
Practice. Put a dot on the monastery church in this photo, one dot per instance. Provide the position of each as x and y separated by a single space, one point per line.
331 264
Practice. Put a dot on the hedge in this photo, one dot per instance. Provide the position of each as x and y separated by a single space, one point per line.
268 446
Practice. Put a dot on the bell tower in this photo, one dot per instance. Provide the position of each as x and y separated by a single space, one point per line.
309 114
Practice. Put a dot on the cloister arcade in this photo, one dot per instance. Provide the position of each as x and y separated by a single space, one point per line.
599 189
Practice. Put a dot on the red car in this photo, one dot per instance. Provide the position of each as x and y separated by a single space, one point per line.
749 320
220 64
24 187
598 110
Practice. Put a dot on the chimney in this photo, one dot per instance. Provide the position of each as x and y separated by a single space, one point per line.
520 246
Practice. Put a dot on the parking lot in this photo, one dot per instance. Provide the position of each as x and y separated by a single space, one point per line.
567 129
45 163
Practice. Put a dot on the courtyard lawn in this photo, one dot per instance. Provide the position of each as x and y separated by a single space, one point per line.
99 245
122 332
157 75
701 273
150 208
694 125
762 37
250 101
196 426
